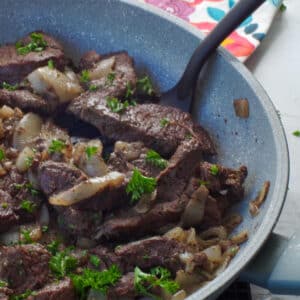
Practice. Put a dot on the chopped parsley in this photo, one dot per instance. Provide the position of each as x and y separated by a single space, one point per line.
203 182
51 64
28 206
115 105
152 157
188 136
9 87
28 186
164 122
93 88
2 154
29 161
296 133
3 283
23 296
62 263
37 44
129 91
4 205
282 7
144 84
26 236
214 170
57 146
90 151
53 247
140 185
158 277
45 228
85 76
96 280
95 260
110 78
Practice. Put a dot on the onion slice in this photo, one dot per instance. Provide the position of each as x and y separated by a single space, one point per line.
87 189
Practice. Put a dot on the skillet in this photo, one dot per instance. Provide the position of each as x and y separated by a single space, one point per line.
161 46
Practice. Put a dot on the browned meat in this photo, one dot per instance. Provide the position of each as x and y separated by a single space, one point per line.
26 100
14 67
88 60
124 288
55 177
226 179
24 267
61 290
8 217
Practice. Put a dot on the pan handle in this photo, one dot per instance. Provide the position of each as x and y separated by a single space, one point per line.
277 266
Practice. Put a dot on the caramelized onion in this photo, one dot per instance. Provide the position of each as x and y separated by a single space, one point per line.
87 189
28 128
214 253
45 80
6 112
102 68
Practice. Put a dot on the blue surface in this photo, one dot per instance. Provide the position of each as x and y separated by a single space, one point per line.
161 46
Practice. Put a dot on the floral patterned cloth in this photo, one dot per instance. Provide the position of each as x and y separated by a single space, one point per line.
204 14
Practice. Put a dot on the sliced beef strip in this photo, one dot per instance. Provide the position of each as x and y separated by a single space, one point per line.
14 67
27 101
88 60
61 290
24 267
229 180
8 217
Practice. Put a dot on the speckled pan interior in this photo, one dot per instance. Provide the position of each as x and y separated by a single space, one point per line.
161 46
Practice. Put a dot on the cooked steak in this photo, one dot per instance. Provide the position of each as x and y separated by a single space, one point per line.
14 67
88 60
55 177
26 100
8 217
123 289
24 267
61 290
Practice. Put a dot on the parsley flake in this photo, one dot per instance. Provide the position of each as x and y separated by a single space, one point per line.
282 7
96 280
85 76
28 186
90 151
164 122
57 146
158 277
214 170
28 161
110 78
26 236
23 296
53 247
45 228
2 154
93 88
296 133
129 91
37 44
3 283
140 185
152 157
203 182
115 105
144 84
95 260
9 87
28 206
51 64
4 205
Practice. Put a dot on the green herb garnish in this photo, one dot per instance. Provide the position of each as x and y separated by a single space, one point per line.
282 7
3 283
56 146
4 205
37 44
53 247
26 236
158 277
9 87
45 228
129 91
144 84
155 159
93 88
29 161
28 186
296 133
51 64
2 154
110 78
115 105
164 122
85 76
62 263
90 151
95 260
28 206
96 280
140 185
188 136
214 170
203 182
23 296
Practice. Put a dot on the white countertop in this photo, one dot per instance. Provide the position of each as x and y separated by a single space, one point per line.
276 64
